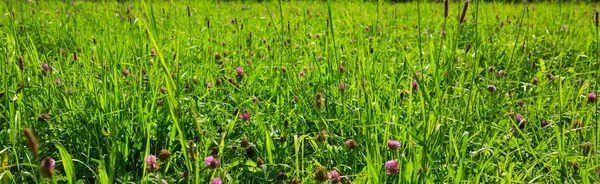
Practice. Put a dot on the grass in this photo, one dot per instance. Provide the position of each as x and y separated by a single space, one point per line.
140 77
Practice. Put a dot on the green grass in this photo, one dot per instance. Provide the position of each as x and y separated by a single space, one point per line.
103 124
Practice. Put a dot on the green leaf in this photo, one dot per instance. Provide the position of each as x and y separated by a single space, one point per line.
67 162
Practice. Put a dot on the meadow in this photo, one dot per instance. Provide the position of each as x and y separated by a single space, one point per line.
298 92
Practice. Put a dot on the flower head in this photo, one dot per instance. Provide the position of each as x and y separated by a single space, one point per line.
151 162
302 74
342 87
535 80
45 67
391 167
521 103
211 162
239 71
351 144
334 176
57 82
393 144
163 181
185 174
125 72
209 85
153 52
492 88
321 174
415 85
246 116
519 118
164 155
216 180
47 167
592 97
254 99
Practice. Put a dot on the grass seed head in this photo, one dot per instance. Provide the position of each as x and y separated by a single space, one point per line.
21 64
587 148
32 142
191 151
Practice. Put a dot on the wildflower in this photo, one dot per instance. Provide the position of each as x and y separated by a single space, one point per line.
391 167
521 103
153 52
209 85
164 154
254 99
342 87
321 174
393 144
302 74
587 148
334 176
31 141
163 181
351 144
45 67
245 116
501 73
211 162
57 82
239 71
125 72
185 174
216 180
535 81
151 162
160 103
415 85
492 88
295 98
47 167
519 118
592 97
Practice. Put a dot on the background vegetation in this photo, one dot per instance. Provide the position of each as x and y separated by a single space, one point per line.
313 76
